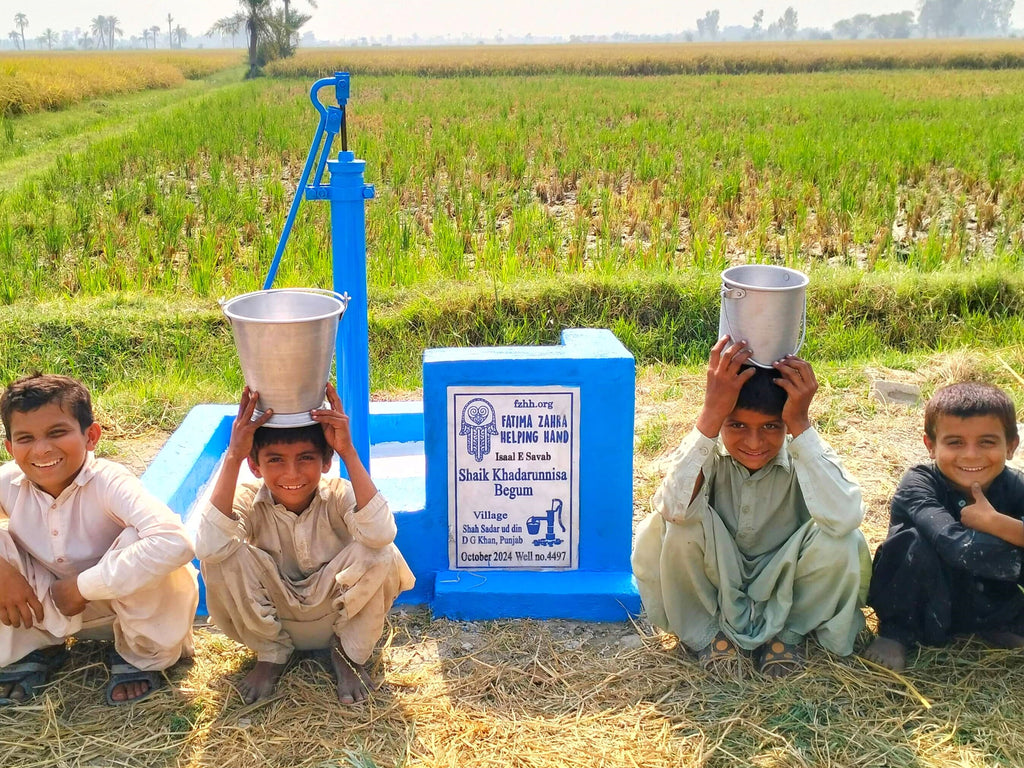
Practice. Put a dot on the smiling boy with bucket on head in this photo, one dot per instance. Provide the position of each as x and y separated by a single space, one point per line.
296 559
753 543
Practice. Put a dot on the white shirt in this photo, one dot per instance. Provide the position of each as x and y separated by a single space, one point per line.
70 534
301 544
763 508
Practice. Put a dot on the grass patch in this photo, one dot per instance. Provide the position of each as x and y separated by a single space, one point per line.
146 360
149 359
30 144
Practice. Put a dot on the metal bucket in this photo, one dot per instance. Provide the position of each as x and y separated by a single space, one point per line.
766 306
285 340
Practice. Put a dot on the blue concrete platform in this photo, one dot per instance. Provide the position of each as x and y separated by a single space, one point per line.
409 461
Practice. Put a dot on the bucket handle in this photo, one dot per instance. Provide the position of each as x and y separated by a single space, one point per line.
739 293
344 298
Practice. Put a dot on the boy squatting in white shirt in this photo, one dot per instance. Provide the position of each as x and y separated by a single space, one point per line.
283 556
86 546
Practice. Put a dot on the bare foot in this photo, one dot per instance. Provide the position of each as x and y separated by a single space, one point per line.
1002 639
261 682
891 654
354 683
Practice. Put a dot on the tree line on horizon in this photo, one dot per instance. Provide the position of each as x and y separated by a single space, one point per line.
935 18
271 32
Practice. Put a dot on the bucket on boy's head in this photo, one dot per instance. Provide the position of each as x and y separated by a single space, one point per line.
285 340
766 306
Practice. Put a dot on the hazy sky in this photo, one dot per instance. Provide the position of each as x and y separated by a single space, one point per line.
337 19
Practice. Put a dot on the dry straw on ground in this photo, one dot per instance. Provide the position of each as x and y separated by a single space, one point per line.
525 693
561 694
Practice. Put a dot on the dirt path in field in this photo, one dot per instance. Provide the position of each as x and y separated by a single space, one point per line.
45 137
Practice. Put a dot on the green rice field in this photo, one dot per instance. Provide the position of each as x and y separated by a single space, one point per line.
537 203
504 179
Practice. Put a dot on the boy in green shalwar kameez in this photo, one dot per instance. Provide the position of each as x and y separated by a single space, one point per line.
753 543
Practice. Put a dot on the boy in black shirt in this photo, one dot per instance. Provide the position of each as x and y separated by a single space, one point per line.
951 563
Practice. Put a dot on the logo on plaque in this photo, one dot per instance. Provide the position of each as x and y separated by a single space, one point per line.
478 425
513 463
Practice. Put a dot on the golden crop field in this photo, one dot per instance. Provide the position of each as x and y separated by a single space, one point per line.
35 82
657 58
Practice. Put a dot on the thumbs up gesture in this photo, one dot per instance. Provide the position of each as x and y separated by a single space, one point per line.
981 514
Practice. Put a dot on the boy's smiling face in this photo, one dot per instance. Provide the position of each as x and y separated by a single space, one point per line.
970 450
50 446
753 438
291 471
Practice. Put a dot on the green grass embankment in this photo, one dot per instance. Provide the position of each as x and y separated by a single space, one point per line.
150 359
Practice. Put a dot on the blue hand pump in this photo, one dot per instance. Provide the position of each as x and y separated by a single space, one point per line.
347 194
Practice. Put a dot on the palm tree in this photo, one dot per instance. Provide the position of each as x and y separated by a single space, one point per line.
99 28
285 32
257 17
113 30
182 34
229 25
287 15
258 25
22 21
145 36
170 38
49 37
154 30
13 35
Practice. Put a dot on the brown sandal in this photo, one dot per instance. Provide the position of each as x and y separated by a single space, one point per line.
779 659
721 657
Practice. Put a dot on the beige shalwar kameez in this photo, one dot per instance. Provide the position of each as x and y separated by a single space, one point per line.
129 552
272 569
755 555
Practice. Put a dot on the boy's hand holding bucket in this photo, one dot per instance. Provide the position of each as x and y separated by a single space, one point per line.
339 436
726 377
244 426
335 423
797 378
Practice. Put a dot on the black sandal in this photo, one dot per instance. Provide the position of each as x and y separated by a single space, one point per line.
122 672
779 659
721 657
32 671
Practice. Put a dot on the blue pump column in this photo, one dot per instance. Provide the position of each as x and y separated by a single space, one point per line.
348 193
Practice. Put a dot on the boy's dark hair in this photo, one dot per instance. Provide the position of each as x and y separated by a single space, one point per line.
761 394
967 399
312 433
38 389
